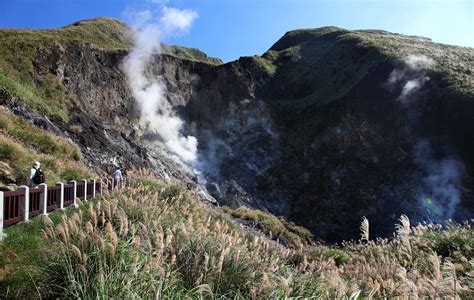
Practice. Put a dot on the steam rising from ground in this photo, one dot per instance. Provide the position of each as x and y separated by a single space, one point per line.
442 176
412 76
442 180
157 114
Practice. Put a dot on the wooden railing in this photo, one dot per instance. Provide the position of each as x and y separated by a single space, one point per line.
24 203
90 186
81 191
98 185
35 202
69 194
53 198
11 207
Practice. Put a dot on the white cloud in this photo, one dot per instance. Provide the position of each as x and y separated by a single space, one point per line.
176 21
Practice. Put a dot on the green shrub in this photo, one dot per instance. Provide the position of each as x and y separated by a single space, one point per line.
76 129
8 151
41 140
76 154
16 157
171 192
73 173
281 229
340 257
457 240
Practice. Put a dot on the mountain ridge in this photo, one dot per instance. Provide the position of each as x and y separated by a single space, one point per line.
310 128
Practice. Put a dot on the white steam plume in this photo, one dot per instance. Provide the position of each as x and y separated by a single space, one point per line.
442 176
412 76
149 91
443 179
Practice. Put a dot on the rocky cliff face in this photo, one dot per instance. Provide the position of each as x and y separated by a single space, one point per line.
326 127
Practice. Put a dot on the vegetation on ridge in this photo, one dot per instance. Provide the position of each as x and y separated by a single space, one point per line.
157 241
324 64
44 92
189 54
19 48
22 143
277 228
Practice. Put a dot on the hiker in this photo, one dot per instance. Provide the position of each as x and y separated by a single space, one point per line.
117 177
36 175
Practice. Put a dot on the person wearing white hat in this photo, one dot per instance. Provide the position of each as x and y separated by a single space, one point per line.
36 175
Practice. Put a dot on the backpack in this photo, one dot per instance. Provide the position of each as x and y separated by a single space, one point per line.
38 178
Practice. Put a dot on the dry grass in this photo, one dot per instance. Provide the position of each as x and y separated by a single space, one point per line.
40 140
22 143
156 241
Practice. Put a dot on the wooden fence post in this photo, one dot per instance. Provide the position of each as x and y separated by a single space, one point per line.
85 189
74 184
44 199
61 195
2 205
25 205
93 188
101 186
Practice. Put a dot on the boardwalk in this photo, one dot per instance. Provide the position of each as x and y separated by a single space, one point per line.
25 203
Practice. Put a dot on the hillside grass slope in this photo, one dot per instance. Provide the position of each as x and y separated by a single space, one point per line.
321 65
22 143
45 93
18 50
155 240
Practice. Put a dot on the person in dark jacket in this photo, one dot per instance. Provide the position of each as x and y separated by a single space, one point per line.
36 175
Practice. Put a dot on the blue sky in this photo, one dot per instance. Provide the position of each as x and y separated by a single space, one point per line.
232 28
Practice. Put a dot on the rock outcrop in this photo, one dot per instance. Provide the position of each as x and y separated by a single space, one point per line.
324 128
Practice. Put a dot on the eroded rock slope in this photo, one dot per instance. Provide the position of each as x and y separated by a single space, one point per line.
326 127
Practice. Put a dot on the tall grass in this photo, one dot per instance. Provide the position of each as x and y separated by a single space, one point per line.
42 141
22 143
156 240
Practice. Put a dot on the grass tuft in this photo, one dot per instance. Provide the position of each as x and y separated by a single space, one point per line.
155 240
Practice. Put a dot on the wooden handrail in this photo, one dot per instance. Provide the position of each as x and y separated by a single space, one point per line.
11 209
15 209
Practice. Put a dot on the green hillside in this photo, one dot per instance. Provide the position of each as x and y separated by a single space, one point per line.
19 49
21 144
321 65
